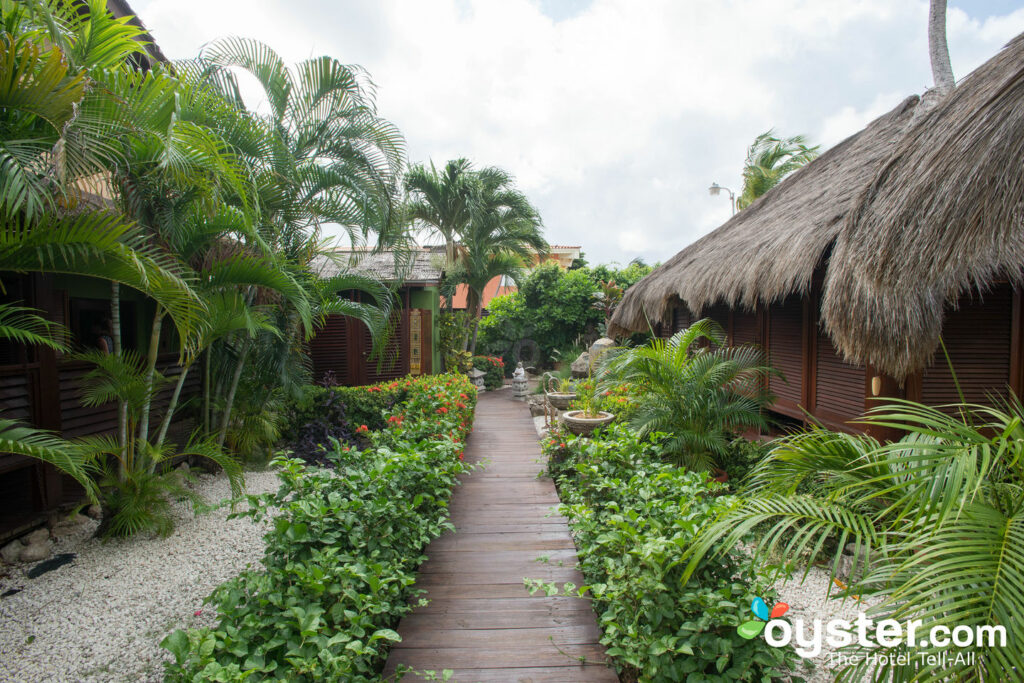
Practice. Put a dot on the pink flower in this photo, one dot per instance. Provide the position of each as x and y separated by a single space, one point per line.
197 612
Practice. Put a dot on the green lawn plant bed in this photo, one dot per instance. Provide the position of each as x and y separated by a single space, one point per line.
343 551
633 517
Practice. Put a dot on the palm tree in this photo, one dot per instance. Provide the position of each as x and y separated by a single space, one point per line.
938 50
322 154
769 160
939 515
693 388
442 201
504 232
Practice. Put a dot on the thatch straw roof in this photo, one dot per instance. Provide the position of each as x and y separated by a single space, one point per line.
917 209
121 8
943 216
772 247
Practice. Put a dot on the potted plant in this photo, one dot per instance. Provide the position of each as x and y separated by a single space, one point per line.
586 415
560 393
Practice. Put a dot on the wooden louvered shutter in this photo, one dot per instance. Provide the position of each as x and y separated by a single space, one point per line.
839 387
329 350
746 328
394 362
786 354
681 317
978 338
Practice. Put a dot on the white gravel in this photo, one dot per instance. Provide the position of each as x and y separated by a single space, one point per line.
102 617
807 600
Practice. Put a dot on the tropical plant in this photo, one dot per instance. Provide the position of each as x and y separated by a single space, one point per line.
769 160
938 516
504 232
320 155
633 518
135 484
442 201
693 388
331 586
607 299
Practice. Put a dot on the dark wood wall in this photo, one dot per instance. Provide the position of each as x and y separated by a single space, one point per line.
982 333
343 346
41 388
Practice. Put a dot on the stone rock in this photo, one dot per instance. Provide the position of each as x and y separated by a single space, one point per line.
581 366
36 537
536 409
36 552
11 552
183 467
94 511
599 347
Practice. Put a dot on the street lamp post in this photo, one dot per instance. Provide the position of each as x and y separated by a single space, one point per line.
715 189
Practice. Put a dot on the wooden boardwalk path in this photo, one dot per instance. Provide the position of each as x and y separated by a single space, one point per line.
481 621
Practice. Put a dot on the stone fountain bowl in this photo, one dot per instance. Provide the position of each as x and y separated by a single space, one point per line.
585 426
560 400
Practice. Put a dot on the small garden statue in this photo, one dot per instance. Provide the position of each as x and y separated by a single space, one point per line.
519 380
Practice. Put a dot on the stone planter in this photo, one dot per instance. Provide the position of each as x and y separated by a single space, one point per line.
560 400
584 426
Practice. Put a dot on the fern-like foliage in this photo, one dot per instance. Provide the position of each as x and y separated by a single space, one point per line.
695 389
939 514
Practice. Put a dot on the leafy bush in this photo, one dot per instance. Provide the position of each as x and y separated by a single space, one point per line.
634 517
324 413
742 456
551 311
452 326
340 560
495 369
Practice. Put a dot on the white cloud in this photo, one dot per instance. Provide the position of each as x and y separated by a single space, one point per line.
616 119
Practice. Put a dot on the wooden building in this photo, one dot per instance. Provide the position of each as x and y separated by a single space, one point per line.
342 347
40 387
851 270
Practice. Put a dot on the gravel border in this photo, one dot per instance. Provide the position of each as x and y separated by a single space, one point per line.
808 599
102 617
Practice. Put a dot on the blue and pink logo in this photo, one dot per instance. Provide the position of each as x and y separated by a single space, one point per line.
752 629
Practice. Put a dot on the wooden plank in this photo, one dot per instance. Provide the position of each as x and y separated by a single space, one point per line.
496 655
480 620
589 672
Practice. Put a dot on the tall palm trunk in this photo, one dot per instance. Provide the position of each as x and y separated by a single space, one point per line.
115 335
478 313
207 424
165 424
230 398
154 350
938 49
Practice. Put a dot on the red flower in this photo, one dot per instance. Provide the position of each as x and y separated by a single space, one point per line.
362 428
197 612
442 410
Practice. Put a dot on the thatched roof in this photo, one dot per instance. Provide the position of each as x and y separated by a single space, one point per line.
121 8
917 209
943 216
421 267
772 247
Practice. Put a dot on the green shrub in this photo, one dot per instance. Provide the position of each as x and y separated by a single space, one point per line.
341 555
368 406
495 369
741 456
634 517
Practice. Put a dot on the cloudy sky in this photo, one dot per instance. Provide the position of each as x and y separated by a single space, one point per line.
614 115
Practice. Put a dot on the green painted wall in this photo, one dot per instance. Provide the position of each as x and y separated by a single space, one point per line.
429 298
